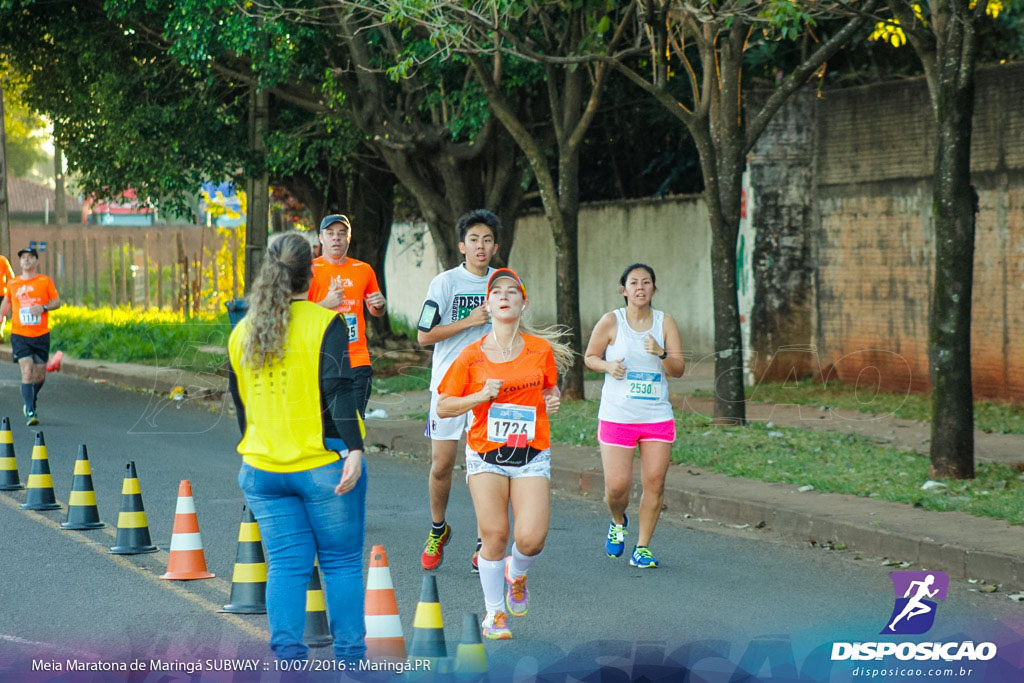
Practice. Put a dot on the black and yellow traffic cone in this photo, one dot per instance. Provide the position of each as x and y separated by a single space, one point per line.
427 625
470 659
132 527
39 494
249 580
82 510
318 629
8 463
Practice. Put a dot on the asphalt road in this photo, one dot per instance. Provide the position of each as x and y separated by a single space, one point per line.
718 599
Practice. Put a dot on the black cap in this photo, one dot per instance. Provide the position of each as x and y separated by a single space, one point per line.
332 219
29 250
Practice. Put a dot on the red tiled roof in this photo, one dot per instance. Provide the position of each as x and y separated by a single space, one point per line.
25 196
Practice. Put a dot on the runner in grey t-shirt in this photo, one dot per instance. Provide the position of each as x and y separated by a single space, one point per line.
453 317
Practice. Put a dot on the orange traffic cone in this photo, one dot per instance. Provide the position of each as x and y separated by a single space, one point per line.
9 480
384 639
53 365
186 560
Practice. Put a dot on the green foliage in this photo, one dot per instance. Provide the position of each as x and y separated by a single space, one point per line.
24 131
126 335
125 116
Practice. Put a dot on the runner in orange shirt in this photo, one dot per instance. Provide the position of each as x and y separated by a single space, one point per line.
31 297
343 284
509 380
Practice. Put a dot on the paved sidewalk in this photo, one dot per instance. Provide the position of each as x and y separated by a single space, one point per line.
957 543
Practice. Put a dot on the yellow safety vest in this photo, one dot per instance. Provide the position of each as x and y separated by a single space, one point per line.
284 429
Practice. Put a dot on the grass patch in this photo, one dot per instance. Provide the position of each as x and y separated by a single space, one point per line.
1002 418
152 337
408 378
831 462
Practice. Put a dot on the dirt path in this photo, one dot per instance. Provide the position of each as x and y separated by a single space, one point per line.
883 429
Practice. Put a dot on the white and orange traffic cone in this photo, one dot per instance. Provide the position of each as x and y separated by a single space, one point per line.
384 639
186 560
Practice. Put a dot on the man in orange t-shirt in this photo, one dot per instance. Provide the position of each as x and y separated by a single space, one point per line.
29 299
343 284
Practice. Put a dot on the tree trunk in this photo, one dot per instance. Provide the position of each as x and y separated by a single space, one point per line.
954 205
257 187
5 221
372 208
722 167
567 259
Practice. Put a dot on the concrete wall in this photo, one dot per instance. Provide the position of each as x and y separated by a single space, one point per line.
671 235
874 234
411 263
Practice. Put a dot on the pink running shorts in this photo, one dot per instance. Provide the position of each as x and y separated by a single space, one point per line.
628 435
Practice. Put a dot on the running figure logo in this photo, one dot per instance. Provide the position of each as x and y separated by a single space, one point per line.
914 611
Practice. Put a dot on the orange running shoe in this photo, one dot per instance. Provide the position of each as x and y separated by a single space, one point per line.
433 549
495 626
54 364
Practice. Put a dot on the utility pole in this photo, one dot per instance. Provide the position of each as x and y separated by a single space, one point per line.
5 217
257 186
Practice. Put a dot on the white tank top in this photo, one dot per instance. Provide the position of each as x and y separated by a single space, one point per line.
641 397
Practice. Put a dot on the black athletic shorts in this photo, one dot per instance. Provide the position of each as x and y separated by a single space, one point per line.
36 348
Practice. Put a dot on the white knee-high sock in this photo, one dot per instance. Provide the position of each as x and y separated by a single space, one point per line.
520 563
492 580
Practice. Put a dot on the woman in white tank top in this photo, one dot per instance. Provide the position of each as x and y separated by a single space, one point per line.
638 349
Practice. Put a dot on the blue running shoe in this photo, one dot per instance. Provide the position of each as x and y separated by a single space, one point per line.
616 541
643 558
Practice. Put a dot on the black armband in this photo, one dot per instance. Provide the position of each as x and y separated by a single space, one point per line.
430 316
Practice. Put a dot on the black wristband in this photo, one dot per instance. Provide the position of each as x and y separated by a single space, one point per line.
664 354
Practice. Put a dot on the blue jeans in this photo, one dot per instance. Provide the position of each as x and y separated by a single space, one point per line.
300 517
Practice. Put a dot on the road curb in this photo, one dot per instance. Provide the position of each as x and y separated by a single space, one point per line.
158 380
959 544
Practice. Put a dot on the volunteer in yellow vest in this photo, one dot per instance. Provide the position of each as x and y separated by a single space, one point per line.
302 450
30 298
343 284
6 275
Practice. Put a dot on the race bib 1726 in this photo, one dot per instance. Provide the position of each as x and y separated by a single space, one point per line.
505 420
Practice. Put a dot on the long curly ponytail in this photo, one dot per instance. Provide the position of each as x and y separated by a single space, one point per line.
286 271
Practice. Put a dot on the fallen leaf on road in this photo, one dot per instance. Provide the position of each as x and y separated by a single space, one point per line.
740 526
805 489
1017 597
989 588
